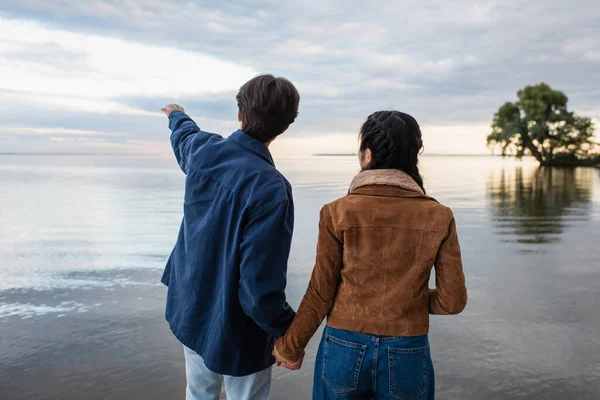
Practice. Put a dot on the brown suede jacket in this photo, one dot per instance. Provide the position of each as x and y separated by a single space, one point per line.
375 251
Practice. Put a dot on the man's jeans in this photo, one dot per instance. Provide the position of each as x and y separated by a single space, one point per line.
352 365
203 384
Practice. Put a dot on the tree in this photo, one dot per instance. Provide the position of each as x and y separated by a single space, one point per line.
540 125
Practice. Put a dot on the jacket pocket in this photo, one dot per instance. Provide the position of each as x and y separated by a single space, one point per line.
342 363
408 372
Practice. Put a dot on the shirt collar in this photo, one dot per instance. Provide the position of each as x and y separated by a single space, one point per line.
252 144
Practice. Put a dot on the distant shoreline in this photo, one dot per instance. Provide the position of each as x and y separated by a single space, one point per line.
79 154
335 155
424 155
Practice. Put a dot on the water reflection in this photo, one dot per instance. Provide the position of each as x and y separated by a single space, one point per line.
535 205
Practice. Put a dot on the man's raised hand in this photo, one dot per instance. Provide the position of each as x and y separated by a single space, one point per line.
172 107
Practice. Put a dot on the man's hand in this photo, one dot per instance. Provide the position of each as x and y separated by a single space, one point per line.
172 107
293 366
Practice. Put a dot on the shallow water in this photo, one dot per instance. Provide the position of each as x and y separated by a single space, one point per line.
83 240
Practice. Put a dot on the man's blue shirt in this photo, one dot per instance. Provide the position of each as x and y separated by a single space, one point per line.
227 273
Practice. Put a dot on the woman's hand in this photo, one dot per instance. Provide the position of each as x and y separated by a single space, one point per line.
293 366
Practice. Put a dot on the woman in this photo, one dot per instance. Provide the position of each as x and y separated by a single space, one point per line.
375 252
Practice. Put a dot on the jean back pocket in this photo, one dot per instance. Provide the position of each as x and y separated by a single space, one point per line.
408 372
342 363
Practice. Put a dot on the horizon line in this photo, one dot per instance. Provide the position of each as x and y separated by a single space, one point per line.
301 155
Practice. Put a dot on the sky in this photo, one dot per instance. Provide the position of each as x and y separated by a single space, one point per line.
91 76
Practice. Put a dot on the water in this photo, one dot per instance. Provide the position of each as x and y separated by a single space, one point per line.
83 240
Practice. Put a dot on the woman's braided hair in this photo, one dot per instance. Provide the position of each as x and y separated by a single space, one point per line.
395 142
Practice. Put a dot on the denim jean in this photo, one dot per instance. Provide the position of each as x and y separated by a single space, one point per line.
203 384
353 365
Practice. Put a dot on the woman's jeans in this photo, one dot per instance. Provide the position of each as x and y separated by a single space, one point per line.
352 365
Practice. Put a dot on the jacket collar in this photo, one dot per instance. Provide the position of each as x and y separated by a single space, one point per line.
385 177
254 145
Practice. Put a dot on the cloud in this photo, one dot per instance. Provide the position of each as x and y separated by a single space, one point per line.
62 103
585 48
57 131
87 72
450 64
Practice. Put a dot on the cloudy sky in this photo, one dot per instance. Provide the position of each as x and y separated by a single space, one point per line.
91 76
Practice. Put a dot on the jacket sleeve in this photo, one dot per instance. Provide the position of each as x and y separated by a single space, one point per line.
183 129
264 254
320 294
450 295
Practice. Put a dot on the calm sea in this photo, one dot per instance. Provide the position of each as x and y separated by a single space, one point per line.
83 240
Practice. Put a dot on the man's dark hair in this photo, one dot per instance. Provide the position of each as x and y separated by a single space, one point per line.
268 106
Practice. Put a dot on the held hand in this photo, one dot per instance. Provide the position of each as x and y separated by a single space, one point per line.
292 366
172 107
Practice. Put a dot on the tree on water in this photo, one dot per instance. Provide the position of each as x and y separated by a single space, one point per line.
539 124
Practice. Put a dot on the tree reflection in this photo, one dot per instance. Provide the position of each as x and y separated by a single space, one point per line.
535 206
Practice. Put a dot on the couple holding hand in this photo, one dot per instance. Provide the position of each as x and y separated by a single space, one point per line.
376 248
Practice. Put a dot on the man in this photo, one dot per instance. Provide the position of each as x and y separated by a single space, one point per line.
227 273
